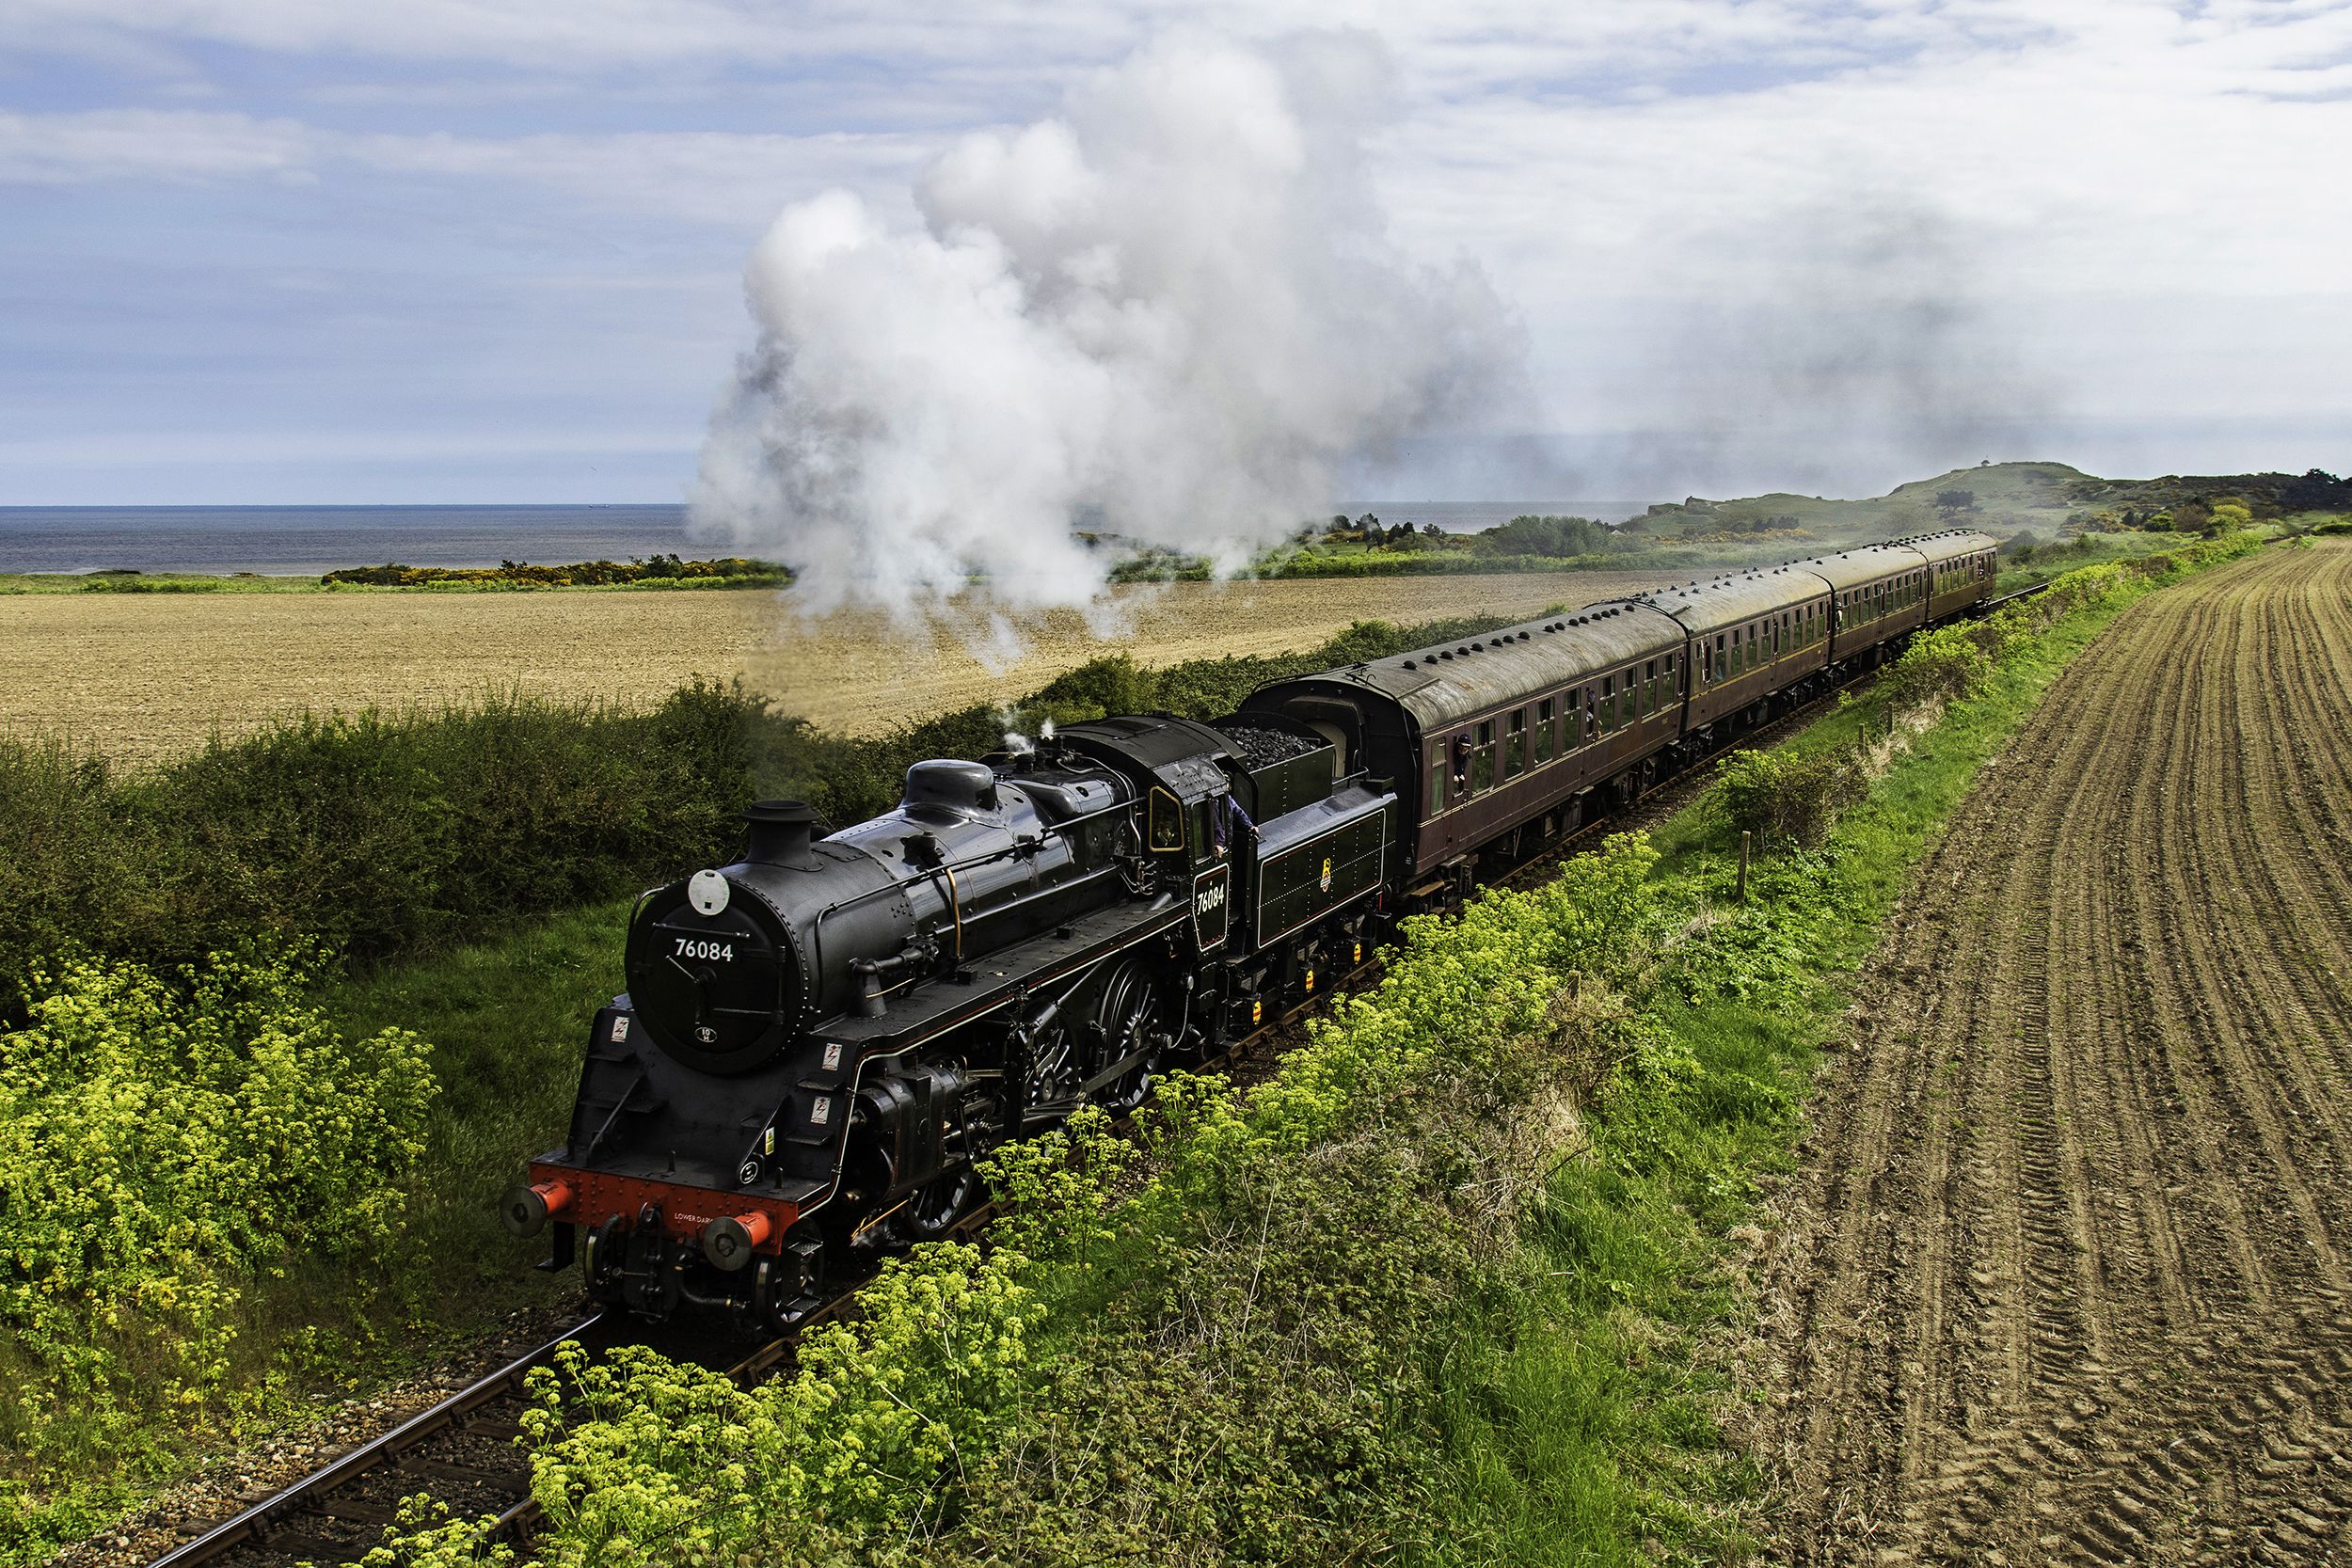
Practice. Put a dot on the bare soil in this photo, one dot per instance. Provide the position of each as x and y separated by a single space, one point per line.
2068 1276
144 676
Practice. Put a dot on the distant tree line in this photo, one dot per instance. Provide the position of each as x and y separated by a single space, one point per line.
579 574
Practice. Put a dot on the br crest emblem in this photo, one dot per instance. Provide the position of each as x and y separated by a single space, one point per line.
1327 873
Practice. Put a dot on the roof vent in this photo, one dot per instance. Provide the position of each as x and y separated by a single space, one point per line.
1442 653
1410 665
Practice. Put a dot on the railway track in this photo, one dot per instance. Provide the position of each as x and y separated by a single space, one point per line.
461 1451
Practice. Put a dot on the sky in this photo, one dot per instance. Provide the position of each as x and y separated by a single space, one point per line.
306 251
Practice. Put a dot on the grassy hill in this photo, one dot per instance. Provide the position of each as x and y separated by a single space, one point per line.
2002 498
2046 500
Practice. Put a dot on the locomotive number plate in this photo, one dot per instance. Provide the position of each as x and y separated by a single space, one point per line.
697 948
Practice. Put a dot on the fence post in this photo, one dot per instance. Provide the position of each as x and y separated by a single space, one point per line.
1744 836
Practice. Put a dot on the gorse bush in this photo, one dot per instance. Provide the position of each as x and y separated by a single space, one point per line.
159 1145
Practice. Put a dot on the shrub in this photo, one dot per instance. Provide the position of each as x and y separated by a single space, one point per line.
1786 796
1939 666
160 1143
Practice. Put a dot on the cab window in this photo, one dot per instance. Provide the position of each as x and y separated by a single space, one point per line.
1168 821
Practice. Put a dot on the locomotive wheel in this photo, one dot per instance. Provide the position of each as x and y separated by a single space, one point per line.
1130 1091
1124 1020
933 1208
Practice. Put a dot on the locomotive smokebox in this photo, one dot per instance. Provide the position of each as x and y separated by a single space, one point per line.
780 833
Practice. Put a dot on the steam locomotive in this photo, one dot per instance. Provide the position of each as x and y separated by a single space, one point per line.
819 1041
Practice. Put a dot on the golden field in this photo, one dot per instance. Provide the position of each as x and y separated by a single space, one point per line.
143 676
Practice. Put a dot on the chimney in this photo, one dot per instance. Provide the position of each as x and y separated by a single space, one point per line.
781 833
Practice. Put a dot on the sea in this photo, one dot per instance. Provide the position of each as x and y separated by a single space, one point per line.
302 541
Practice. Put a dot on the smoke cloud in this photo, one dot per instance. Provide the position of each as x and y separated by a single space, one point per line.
1168 312
1862 346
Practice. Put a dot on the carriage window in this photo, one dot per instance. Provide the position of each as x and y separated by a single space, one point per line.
1608 703
1482 759
1674 693
1168 821
1515 746
1436 783
1545 724
1649 687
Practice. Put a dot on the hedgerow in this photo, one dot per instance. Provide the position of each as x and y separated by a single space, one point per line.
665 571
160 1144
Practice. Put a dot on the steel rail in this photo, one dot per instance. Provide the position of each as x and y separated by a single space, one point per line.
254 1525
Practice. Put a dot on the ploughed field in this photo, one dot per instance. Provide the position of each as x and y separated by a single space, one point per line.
147 675
2068 1276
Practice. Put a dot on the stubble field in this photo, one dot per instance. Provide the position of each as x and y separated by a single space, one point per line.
144 676
2069 1276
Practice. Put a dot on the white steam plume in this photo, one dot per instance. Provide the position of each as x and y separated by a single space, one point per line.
1168 311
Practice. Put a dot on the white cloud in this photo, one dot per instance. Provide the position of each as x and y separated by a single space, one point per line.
143 144
1697 204
717 177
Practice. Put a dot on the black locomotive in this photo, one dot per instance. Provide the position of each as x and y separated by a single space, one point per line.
819 1041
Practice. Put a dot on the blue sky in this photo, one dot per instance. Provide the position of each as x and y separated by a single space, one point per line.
301 251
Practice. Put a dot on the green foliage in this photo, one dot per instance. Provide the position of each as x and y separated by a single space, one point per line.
643 1460
161 1143
1786 796
1939 666
1547 537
